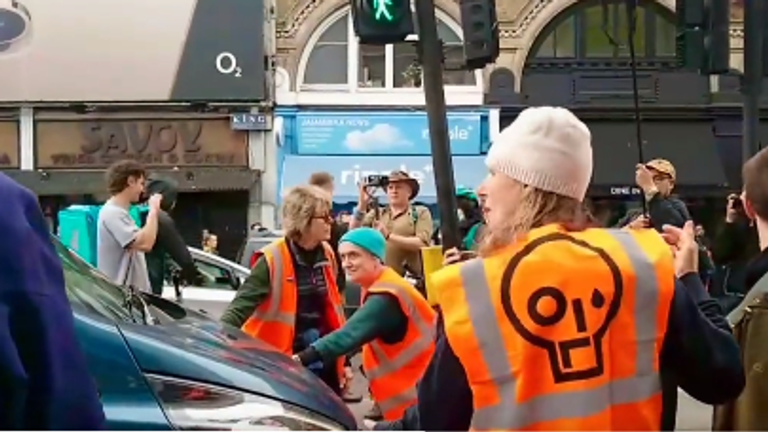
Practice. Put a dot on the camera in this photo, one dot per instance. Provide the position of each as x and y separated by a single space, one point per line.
15 25
377 180
738 204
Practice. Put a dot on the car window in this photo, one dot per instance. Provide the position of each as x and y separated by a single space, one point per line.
89 288
211 272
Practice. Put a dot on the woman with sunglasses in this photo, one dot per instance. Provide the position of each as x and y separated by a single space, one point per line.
291 298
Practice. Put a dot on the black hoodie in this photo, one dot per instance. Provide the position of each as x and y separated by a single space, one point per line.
169 240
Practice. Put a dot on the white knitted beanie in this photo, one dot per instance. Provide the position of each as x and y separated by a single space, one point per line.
548 148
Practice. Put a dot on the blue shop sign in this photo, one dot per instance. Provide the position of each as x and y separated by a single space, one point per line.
345 133
348 171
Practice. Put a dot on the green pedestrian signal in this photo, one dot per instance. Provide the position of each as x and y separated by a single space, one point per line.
383 10
380 22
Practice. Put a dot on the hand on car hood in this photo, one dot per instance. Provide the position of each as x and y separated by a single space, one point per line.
204 350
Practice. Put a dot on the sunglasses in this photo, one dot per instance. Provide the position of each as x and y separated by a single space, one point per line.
327 217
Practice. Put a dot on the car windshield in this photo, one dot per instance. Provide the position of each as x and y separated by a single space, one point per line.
89 288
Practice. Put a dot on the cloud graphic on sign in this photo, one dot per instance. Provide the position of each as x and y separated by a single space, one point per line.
382 136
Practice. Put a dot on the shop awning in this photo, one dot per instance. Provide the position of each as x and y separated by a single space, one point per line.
349 170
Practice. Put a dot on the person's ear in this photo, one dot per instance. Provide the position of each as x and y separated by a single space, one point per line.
749 209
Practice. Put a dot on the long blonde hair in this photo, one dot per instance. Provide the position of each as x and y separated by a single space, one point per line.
535 209
302 204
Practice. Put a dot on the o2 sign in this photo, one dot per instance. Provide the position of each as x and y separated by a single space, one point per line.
226 64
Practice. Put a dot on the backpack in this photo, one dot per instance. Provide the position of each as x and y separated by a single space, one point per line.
78 229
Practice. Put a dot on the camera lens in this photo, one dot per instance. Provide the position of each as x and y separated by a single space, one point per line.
12 25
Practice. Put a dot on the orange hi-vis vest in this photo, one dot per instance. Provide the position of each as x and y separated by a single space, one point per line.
274 320
394 369
563 330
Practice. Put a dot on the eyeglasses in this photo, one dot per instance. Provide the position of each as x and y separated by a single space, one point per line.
327 217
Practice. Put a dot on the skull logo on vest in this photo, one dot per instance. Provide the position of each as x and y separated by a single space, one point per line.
569 328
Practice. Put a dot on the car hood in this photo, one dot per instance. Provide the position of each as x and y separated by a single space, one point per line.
199 348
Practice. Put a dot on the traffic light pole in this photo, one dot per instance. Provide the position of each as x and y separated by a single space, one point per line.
431 57
752 79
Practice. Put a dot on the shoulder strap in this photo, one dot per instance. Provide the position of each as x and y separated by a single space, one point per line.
127 282
760 290
414 216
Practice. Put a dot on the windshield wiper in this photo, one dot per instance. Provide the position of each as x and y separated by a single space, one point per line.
133 295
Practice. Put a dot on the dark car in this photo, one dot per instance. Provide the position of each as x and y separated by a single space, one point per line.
160 366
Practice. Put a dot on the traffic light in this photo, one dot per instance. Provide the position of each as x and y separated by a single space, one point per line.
690 34
381 22
481 32
703 39
717 38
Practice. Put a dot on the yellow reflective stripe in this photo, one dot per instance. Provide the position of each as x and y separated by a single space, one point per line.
393 402
508 413
277 279
426 338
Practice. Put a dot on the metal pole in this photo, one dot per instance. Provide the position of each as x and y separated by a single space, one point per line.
431 57
752 79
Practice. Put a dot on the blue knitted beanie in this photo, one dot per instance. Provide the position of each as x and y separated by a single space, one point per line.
368 239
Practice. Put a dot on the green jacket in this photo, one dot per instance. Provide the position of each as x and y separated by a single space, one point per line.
379 317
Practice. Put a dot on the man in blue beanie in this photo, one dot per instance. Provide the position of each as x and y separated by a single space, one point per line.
44 379
394 326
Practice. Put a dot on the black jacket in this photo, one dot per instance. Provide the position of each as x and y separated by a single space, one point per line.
169 242
699 354
662 211
733 247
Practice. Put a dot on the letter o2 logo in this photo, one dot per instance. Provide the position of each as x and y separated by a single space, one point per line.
226 64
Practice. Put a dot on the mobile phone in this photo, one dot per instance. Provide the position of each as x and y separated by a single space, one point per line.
467 255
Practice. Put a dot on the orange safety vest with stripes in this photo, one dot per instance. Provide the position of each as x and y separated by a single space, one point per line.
394 369
274 320
563 330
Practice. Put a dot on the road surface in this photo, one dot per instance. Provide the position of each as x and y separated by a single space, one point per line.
691 415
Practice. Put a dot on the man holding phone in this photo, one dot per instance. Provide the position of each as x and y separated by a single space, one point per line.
656 179
735 243
405 226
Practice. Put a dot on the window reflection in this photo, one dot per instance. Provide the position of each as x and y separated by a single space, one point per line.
561 43
327 63
582 34
373 67
597 43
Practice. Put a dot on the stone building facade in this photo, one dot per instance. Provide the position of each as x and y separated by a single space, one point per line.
522 23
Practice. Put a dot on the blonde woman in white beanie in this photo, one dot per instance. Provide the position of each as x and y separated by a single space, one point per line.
559 326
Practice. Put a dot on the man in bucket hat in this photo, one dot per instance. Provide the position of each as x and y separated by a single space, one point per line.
405 226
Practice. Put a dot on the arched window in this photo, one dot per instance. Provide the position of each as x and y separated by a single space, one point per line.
589 32
334 58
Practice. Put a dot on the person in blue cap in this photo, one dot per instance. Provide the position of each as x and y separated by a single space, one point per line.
44 379
394 319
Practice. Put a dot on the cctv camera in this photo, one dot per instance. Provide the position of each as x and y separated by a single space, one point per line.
15 26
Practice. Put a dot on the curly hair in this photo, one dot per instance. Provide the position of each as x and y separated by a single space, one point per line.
535 209
300 205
